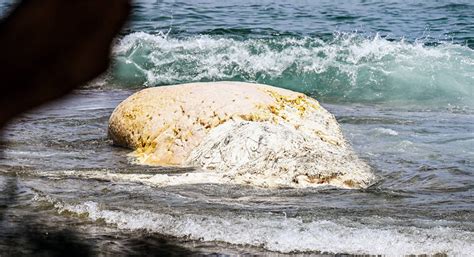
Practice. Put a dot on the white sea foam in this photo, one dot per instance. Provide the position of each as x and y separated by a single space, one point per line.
349 66
278 233
385 131
155 180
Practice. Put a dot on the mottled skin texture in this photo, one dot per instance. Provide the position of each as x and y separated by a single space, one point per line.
164 124
248 133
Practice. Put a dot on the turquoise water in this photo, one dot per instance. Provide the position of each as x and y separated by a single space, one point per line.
346 68
351 51
398 75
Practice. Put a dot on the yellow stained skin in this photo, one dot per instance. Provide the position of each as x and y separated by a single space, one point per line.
144 152
164 127
300 102
158 150
176 124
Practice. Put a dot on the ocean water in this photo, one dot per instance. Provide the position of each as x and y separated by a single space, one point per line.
398 76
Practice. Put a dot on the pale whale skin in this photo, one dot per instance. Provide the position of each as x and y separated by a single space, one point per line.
241 133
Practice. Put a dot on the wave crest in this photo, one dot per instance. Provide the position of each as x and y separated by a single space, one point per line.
347 68
279 233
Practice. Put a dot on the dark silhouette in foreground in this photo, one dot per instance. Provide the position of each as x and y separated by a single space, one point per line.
22 233
50 47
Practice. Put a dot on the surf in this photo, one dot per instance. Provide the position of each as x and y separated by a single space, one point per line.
347 68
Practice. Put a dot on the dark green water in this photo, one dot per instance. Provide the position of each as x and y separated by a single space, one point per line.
398 75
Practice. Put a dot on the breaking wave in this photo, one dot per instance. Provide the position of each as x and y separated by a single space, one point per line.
282 234
348 68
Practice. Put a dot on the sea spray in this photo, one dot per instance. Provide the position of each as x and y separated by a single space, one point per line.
347 68
280 233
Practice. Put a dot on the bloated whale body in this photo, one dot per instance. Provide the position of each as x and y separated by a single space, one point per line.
247 133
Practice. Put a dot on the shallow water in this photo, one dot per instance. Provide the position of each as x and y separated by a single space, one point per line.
398 76
422 204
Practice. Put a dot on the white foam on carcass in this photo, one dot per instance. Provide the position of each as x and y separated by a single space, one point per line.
278 155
